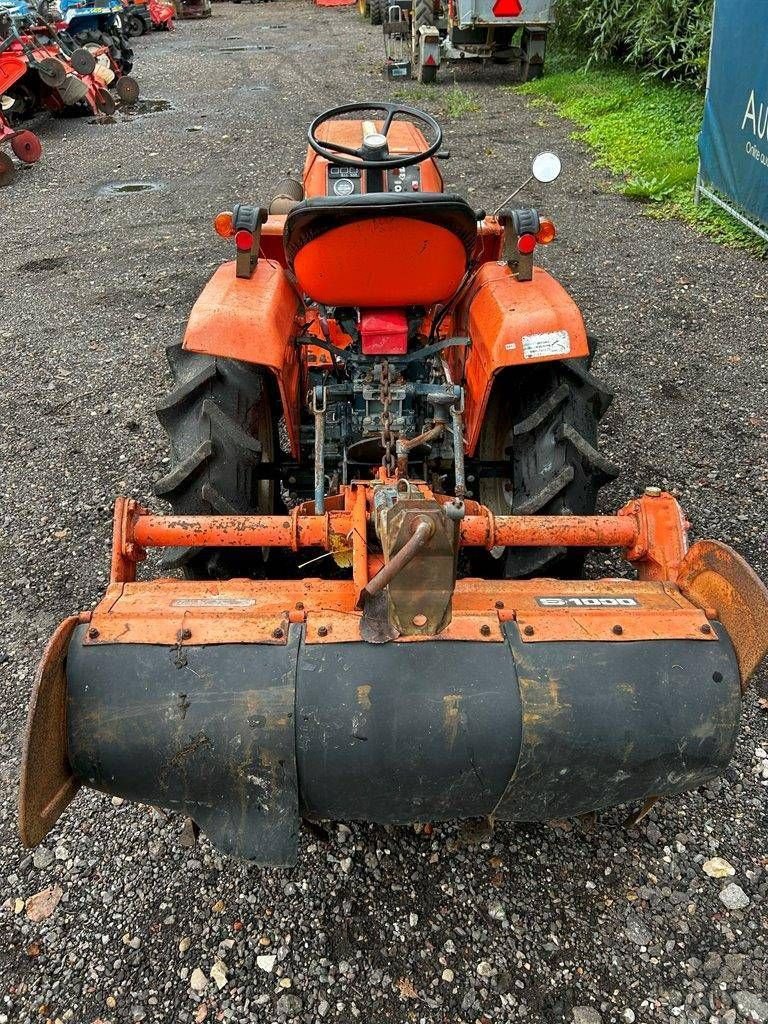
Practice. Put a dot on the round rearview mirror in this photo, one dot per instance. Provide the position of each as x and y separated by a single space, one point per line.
546 167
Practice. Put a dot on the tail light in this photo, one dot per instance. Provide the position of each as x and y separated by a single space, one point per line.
244 240
547 231
526 244
224 224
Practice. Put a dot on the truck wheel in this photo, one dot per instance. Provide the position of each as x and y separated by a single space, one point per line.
423 14
534 50
544 420
218 417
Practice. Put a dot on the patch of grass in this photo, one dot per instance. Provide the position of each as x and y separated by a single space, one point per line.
451 102
457 102
645 132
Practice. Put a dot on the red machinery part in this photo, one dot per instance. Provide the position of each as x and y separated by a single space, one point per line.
27 147
384 332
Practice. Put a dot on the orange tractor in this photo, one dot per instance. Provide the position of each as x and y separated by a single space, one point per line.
384 476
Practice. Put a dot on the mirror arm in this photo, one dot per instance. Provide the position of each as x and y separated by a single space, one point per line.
520 188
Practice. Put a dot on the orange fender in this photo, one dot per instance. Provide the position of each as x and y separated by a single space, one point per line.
511 323
254 320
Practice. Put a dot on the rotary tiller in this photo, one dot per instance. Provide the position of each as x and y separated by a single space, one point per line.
384 437
162 13
24 144
58 73
97 23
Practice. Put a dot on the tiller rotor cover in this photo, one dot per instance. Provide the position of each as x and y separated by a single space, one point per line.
401 694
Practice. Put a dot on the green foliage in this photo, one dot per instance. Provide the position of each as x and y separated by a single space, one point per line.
643 131
668 38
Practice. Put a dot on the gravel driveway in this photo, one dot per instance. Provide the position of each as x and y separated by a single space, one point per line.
561 922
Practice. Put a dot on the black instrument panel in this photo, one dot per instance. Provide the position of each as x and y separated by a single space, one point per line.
350 181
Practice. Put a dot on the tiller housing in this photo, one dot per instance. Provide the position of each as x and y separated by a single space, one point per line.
382 391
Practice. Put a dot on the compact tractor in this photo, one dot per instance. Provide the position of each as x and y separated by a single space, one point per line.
383 427
96 23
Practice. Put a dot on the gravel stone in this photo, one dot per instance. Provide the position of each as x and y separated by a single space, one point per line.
637 932
734 897
43 857
289 1005
586 1015
752 1007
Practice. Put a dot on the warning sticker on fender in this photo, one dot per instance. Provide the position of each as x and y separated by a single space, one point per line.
587 602
554 343
212 602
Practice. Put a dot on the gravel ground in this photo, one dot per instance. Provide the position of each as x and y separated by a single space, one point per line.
560 922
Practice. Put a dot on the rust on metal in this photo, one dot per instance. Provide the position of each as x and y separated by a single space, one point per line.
47 782
714 577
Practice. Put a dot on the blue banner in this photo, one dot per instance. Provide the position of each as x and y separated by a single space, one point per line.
733 145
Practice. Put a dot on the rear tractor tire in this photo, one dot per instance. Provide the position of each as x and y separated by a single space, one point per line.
219 419
544 420
377 10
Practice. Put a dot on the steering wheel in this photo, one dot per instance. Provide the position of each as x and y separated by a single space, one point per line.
363 156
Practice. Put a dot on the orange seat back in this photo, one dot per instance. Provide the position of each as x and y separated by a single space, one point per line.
392 261
380 250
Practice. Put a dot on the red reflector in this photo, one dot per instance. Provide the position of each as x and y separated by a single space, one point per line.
384 332
430 60
243 240
526 244
507 8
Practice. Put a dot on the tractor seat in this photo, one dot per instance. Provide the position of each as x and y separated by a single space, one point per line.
380 249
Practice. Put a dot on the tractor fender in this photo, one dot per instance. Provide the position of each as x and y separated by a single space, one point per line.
254 320
511 323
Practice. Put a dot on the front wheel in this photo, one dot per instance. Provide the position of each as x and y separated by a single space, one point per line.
543 421
219 420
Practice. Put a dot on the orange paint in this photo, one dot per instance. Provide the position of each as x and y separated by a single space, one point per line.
349 265
404 137
254 319
498 314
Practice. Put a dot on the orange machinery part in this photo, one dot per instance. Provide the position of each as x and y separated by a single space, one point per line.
403 137
297 532
651 530
255 320
511 323
335 268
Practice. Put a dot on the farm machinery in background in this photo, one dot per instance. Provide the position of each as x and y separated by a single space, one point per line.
193 9
384 472
45 69
421 35
95 23
140 18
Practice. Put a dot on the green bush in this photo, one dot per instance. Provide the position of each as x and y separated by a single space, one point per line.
668 38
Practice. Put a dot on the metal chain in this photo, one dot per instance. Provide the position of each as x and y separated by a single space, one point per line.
387 440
